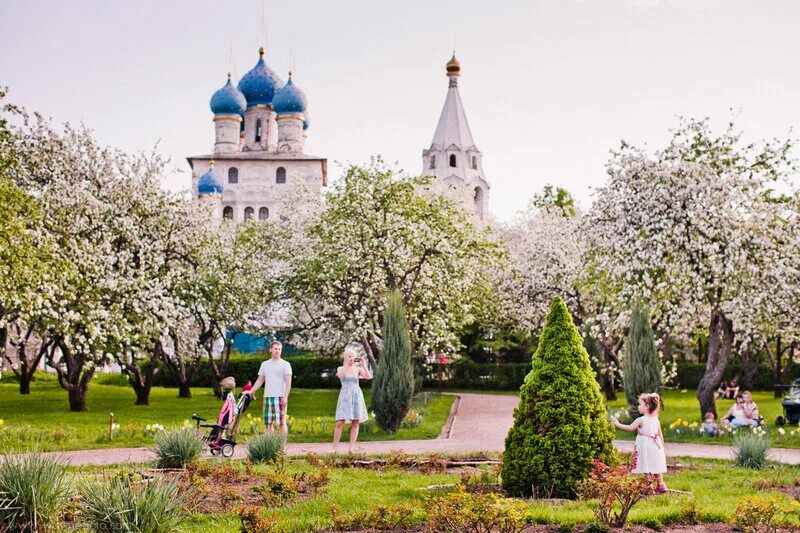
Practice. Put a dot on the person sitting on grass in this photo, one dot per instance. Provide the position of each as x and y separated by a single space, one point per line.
751 408
736 416
710 426
732 390
721 390
648 451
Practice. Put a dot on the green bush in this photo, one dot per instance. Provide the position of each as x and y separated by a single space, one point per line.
642 367
309 371
265 447
560 424
751 449
393 387
176 449
33 491
135 506
464 512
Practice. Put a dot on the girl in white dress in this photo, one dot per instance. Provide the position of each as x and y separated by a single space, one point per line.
648 453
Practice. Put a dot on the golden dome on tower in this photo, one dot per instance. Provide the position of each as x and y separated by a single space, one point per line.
453 66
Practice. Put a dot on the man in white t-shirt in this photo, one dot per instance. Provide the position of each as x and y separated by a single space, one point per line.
276 376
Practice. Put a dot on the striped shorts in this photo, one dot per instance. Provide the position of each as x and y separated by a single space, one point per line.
274 410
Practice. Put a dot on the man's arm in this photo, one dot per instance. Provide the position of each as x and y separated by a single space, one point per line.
257 385
287 386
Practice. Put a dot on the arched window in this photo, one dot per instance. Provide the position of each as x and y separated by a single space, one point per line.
233 175
452 160
474 162
479 202
280 175
258 130
227 213
263 213
248 213
433 162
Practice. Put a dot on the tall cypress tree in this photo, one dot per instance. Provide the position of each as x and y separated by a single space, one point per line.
560 424
640 364
393 386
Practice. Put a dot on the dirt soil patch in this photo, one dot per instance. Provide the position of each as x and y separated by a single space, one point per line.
701 528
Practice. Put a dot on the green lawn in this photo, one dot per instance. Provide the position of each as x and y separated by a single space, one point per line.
714 487
43 417
683 405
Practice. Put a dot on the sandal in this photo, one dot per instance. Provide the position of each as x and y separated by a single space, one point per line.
661 489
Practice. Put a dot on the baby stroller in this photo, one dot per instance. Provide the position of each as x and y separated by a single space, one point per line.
791 405
222 437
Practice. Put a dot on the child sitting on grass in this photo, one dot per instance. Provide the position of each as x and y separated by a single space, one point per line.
710 427
648 453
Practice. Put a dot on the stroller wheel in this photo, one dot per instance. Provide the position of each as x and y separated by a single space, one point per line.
780 421
227 450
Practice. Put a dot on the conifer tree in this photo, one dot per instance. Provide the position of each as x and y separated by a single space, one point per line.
393 386
560 424
641 365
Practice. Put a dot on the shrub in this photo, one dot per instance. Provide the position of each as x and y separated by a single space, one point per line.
641 365
176 449
278 487
265 447
560 425
254 520
756 515
462 512
613 486
379 518
393 386
33 491
122 503
412 419
751 450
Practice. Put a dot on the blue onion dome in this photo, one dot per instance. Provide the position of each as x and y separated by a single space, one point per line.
306 121
209 183
228 100
259 85
289 99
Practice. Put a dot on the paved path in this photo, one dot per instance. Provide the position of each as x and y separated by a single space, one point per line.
480 424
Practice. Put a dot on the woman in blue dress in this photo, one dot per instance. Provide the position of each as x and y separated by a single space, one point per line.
350 407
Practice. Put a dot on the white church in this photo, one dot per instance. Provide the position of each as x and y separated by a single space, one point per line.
260 129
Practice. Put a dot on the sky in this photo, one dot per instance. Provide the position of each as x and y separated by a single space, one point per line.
549 87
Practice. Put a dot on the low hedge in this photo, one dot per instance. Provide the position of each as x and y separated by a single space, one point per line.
319 372
308 371
467 374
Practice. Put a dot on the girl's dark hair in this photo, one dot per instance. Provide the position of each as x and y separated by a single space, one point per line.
652 401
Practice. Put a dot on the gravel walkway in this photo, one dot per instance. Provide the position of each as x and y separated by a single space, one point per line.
480 423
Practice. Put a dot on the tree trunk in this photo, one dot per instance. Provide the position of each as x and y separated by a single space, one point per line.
143 396
24 383
609 348
77 399
720 350
184 390
750 361
778 370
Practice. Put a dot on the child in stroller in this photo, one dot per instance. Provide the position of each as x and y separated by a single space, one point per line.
222 437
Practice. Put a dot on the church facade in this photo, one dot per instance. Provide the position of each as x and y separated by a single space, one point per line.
260 128
453 159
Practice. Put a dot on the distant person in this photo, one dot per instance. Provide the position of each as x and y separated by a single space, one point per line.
736 417
710 426
750 408
723 387
732 390
276 376
648 455
350 407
